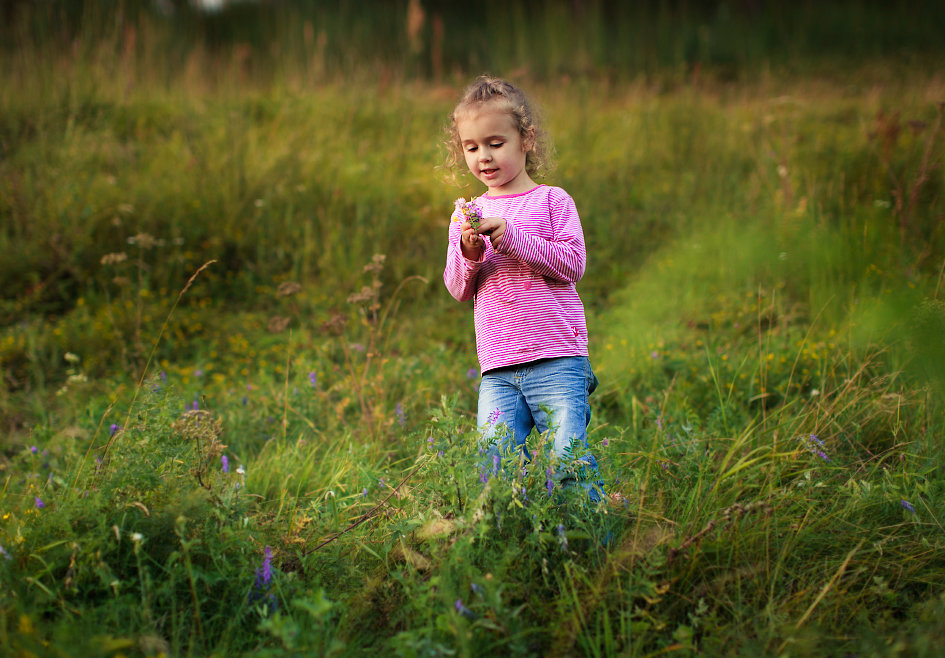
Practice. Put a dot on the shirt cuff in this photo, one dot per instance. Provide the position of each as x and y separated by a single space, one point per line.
469 263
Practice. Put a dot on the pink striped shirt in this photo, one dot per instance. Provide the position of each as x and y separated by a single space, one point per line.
526 305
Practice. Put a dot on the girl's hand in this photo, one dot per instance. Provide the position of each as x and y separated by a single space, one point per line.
494 227
470 242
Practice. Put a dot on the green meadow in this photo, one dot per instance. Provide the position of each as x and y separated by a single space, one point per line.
237 404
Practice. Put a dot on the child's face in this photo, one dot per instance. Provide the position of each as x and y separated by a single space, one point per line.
494 149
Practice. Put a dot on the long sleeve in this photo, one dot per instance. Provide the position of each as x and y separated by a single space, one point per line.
563 257
460 274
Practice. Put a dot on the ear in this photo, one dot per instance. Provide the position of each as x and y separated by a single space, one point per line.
528 141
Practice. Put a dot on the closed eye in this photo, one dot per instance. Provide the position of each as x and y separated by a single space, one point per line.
472 148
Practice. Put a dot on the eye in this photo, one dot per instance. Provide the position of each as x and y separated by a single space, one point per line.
470 149
496 145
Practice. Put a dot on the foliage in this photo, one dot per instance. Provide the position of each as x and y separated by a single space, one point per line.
239 410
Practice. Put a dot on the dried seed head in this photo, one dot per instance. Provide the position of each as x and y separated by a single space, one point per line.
376 264
278 324
335 325
200 424
143 240
366 294
917 126
114 258
288 288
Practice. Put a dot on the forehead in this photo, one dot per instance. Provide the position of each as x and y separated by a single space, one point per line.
484 121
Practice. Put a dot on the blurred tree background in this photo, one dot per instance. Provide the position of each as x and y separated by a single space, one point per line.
434 39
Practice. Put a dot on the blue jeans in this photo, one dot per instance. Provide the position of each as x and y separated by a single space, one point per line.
550 395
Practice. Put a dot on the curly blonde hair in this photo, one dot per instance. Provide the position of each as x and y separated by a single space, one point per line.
487 89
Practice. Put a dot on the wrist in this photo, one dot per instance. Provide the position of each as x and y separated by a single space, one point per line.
470 253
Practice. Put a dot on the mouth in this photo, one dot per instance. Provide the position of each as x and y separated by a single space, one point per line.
487 172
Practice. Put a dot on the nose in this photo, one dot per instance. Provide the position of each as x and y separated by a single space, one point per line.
485 155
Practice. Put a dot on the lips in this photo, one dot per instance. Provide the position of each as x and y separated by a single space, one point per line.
487 172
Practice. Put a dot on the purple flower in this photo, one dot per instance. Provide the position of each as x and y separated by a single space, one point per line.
195 406
114 429
400 414
225 462
313 379
605 442
198 373
267 565
39 502
471 373
264 572
905 503
484 476
163 376
263 582
494 416
34 449
463 610
549 486
495 463
364 492
816 447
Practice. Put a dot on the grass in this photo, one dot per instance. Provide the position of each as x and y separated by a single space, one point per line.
193 259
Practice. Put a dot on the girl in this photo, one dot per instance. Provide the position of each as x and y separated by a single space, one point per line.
519 260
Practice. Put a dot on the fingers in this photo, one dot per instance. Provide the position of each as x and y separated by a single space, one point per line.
488 225
494 227
470 238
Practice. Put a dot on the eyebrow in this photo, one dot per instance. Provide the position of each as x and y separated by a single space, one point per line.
490 137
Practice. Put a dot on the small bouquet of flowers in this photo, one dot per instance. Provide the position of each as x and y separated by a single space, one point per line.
469 211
